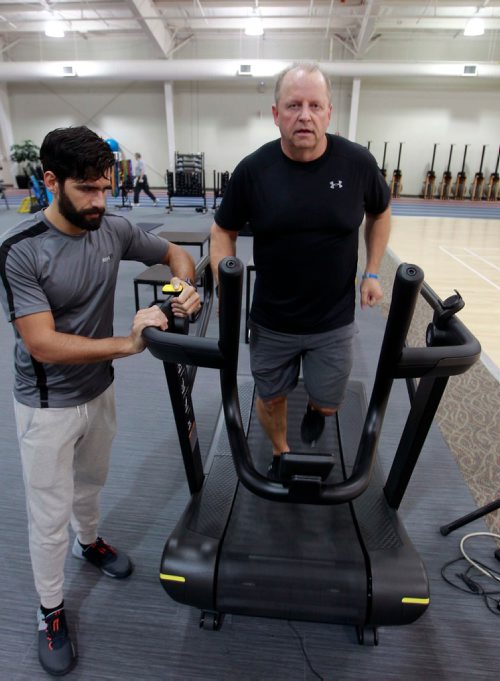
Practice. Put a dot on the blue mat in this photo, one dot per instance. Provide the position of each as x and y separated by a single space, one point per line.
447 209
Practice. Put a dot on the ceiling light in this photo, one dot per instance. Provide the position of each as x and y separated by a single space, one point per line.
253 24
54 29
474 26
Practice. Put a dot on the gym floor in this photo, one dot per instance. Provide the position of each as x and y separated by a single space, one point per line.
462 254
132 630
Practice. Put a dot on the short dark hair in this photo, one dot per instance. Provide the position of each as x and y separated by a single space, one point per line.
76 152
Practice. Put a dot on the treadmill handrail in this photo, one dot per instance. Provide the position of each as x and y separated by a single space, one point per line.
407 285
395 359
439 361
192 350
446 360
183 349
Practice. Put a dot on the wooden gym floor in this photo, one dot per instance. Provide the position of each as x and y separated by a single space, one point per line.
462 254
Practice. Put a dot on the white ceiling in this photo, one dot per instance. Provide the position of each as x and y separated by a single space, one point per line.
170 24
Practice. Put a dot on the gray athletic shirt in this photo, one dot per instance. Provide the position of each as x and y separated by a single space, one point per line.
74 277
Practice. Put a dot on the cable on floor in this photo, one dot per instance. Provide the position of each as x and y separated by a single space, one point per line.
476 576
304 651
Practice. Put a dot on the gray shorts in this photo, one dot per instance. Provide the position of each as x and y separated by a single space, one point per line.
275 360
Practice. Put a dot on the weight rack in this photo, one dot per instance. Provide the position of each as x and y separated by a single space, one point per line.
220 183
187 182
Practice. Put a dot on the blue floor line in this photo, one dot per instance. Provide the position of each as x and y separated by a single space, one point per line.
482 213
400 207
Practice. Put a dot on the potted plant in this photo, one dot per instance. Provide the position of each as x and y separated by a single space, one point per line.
23 154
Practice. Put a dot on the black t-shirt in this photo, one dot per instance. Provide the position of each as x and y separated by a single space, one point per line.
305 219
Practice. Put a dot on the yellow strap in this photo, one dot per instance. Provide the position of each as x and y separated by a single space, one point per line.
415 601
172 578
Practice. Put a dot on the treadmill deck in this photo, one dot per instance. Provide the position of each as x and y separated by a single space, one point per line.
295 561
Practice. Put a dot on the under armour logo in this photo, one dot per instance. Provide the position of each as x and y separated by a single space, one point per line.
335 185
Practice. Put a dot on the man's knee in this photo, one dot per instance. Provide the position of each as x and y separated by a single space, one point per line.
326 411
270 406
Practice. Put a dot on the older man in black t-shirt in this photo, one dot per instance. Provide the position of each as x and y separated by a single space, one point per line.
305 196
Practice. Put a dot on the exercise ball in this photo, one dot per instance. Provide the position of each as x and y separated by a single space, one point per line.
113 144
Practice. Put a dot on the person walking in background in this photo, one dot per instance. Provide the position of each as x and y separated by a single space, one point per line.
141 181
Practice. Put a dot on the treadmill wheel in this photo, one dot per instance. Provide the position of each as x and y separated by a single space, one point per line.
360 631
210 620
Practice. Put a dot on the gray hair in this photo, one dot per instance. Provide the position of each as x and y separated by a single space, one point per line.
309 67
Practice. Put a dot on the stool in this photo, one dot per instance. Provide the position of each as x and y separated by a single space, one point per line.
156 275
183 238
250 269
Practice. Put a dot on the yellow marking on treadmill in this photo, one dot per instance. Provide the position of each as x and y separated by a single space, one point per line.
172 578
407 600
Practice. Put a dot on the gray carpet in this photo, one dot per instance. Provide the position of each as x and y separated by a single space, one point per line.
131 630
469 413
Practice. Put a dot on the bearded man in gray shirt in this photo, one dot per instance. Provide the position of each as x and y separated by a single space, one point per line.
59 270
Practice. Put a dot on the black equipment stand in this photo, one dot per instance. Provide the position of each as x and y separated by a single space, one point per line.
180 378
477 189
126 185
397 177
445 186
187 183
220 184
494 182
470 517
383 169
309 547
430 179
461 181
2 193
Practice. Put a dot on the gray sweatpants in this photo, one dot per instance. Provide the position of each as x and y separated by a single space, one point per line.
65 456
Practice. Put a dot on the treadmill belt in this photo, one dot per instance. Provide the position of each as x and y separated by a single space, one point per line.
292 560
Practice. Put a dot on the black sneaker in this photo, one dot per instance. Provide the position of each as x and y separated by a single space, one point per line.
273 472
110 561
55 649
312 425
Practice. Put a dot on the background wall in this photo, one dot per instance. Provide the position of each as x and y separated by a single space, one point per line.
422 117
228 119
132 113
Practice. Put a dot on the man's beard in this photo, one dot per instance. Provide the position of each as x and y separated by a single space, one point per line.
79 218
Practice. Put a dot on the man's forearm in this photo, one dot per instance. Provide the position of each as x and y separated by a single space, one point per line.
222 244
64 348
49 346
181 262
377 231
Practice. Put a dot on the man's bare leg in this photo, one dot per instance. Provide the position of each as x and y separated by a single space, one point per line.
314 421
273 419
326 411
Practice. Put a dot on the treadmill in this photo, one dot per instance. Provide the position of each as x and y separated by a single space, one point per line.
324 544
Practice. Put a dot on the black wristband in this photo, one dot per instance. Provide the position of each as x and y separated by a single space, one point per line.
188 281
195 316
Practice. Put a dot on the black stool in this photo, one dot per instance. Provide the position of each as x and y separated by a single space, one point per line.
155 276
